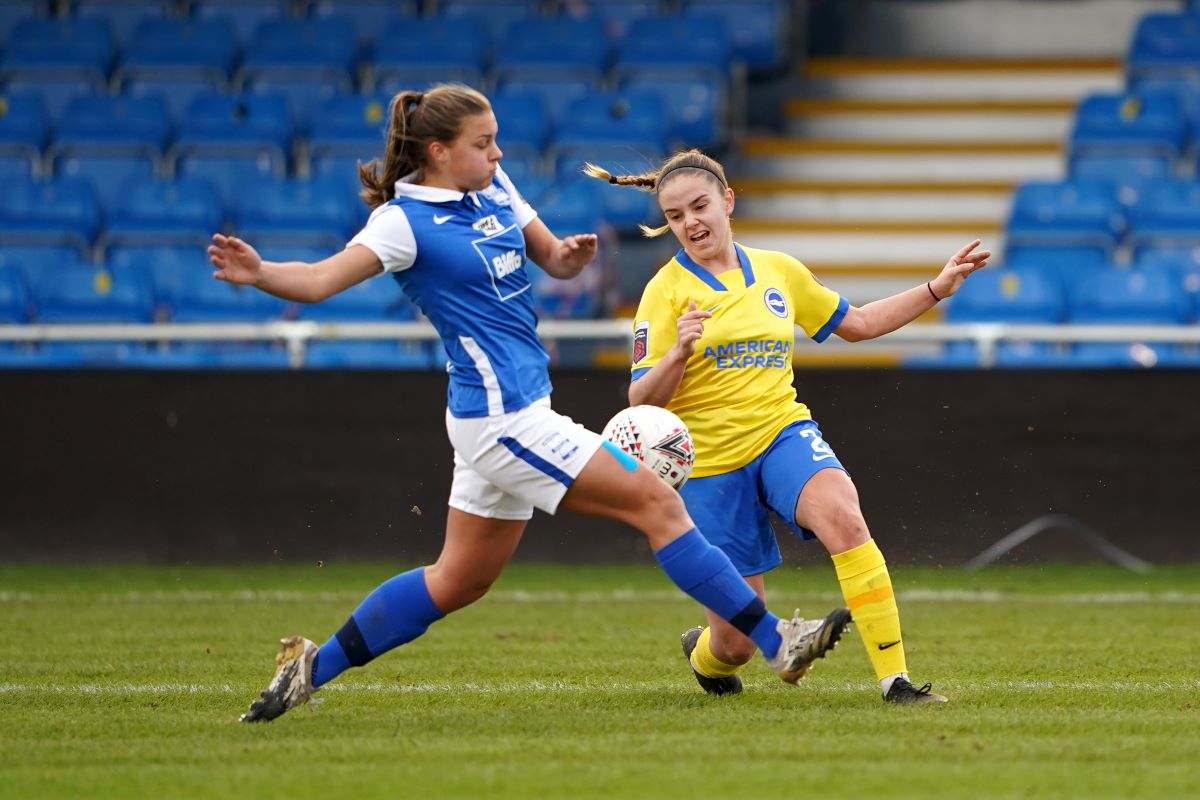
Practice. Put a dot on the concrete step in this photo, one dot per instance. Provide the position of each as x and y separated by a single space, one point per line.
917 120
931 162
775 199
953 79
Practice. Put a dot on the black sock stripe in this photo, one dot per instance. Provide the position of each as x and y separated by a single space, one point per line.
353 644
746 619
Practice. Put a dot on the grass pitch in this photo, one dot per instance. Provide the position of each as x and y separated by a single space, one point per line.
569 682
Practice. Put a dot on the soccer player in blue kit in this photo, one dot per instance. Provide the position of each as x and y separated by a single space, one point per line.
713 341
452 229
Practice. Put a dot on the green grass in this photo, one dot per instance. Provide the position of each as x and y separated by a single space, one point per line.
568 682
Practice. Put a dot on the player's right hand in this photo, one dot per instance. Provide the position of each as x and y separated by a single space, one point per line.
236 261
689 329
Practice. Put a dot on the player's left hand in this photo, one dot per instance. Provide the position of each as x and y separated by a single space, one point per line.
960 265
577 251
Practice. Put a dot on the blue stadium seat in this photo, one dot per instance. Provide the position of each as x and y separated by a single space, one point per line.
369 18
603 126
613 18
203 298
500 15
1119 296
1066 264
230 174
33 261
558 47
326 354
1122 355
123 16
1122 171
14 297
16 168
14 11
1165 44
434 51
312 213
622 207
1166 214
663 46
1181 263
81 293
55 94
375 300
294 49
304 95
180 49
253 131
759 29
86 355
165 268
246 15
60 211
350 125
186 211
696 106
524 125
111 177
80 48
1008 295
177 93
1065 214
1148 124
23 126
113 125
556 94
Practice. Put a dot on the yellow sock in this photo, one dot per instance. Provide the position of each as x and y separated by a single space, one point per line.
708 665
868 591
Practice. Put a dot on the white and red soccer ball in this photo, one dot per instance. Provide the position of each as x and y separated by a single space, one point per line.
657 438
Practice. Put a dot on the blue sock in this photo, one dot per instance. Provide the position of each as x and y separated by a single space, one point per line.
707 575
398 611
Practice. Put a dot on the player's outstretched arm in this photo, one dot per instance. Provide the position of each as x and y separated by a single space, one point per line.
560 258
239 263
891 313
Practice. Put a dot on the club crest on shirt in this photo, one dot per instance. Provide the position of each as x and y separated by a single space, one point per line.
489 225
497 195
641 337
776 302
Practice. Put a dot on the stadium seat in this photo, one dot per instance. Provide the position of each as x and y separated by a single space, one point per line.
347 129
291 49
112 125
16 168
180 49
61 211
671 46
55 93
501 15
1166 214
1122 171
304 95
1065 264
556 94
177 93
1129 296
250 134
246 15
203 298
81 293
186 211
111 177
123 16
759 29
23 126
1065 214
60 48
376 300
86 355
696 106
14 11
34 261
1008 295
559 47
369 18
524 125
434 51
14 298
613 18
1148 124
165 268
613 129
325 354
622 207
1165 44
1122 355
314 213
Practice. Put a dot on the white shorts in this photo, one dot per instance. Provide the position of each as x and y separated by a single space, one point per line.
506 465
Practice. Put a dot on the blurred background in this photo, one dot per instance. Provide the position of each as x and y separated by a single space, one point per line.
156 414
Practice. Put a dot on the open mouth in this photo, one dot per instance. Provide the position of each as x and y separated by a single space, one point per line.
700 238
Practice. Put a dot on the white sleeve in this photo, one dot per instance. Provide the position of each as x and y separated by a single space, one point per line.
389 236
524 212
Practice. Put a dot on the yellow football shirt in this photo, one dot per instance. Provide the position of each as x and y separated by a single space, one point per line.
736 394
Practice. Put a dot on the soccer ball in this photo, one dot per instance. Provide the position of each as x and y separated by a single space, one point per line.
657 438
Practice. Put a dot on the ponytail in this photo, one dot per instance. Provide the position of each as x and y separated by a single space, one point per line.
693 161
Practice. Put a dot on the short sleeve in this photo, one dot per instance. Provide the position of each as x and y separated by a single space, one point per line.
389 236
654 328
523 212
818 310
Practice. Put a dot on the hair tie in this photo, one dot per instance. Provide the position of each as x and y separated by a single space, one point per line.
612 179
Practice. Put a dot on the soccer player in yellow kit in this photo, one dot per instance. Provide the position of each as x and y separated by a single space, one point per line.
713 342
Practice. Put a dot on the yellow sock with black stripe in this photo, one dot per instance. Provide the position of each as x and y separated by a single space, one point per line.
708 665
867 588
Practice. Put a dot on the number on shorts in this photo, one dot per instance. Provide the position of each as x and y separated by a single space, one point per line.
821 450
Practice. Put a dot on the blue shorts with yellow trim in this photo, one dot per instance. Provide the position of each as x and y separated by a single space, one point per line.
731 509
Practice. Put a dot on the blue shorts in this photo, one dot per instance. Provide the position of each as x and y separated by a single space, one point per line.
731 509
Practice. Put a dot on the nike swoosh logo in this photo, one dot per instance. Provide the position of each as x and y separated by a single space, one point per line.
886 646
439 220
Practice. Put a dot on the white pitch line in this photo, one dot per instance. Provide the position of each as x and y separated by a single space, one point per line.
587 687
611 596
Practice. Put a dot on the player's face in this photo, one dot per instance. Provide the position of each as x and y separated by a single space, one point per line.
697 210
472 158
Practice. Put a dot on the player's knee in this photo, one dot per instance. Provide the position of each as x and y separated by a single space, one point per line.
847 527
656 504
